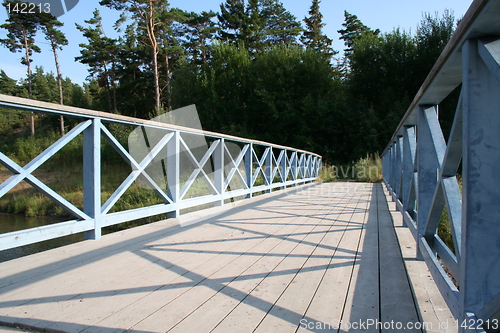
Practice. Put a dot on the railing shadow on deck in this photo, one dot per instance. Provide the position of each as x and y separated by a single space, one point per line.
382 297
141 243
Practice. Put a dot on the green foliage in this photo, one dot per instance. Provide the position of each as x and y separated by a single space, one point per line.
353 30
313 36
369 169
327 174
257 24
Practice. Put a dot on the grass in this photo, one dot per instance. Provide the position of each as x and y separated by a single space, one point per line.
368 169
444 227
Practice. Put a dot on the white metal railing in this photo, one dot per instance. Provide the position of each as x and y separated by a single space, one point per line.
420 169
229 157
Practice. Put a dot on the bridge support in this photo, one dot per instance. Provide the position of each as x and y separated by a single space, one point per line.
173 173
480 267
218 157
92 177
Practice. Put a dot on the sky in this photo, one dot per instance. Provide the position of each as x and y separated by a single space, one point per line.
384 15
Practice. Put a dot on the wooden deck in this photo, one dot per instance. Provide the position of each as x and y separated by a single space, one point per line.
294 260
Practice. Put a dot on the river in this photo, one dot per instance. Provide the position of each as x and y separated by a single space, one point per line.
11 222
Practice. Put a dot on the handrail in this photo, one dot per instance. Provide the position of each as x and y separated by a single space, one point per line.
72 111
420 170
219 161
446 74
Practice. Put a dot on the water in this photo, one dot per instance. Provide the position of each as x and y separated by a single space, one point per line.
11 222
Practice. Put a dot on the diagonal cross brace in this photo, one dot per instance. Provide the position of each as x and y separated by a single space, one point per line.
260 162
198 167
234 167
22 173
133 163
136 173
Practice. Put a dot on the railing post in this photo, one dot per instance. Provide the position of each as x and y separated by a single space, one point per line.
269 168
294 167
409 153
219 171
173 173
283 168
399 168
479 264
249 169
92 177
427 171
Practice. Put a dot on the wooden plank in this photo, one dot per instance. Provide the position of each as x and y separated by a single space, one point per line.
362 301
396 299
183 308
310 255
432 307
202 276
224 302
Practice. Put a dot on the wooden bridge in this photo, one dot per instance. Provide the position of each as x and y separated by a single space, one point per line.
304 259
304 256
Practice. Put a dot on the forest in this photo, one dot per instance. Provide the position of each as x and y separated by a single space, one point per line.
252 69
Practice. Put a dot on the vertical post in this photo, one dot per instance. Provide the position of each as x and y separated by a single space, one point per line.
219 171
409 150
479 264
283 168
427 170
269 168
249 169
295 167
173 173
394 171
399 167
92 177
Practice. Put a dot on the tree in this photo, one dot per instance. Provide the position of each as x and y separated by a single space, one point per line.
147 13
313 37
200 31
170 49
280 27
8 86
258 24
57 39
433 33
353 29
232 20
99 54
22 28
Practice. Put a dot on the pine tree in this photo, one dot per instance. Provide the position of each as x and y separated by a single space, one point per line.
258 24
313 37
147 13
57 39
99 54
281 27
201 30
22 28
353 29
232 20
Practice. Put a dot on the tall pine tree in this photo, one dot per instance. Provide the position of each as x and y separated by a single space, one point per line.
22 28
57 40
353 29
313 37
257 24
99 55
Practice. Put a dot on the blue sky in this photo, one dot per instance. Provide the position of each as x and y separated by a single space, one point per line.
384 15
